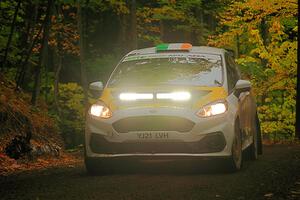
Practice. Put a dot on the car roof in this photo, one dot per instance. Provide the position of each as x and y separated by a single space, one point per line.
194 49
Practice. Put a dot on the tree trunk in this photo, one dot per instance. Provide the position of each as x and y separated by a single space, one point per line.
81 16
122 33
13 24
133 24
21 74
264 36
161 29
46 57
201 31
56 84
27 36
297 134
37 74
237 52
59 54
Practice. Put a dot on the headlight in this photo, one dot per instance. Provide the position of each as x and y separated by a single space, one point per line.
100 110
212 109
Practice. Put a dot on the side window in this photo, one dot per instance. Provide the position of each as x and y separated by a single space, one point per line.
236 67
233 74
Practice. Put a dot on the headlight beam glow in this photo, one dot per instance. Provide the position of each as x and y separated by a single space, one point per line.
96 110
213 109
218 108
102 111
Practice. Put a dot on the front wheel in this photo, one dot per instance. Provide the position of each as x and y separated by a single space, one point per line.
259 137
91 166
97 166
255 147
235 161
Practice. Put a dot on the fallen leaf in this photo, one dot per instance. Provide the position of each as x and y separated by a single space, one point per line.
295 192
269 195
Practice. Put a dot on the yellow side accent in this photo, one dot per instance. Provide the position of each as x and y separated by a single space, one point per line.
217 93
107 98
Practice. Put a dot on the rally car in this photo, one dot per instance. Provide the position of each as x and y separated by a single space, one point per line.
172 101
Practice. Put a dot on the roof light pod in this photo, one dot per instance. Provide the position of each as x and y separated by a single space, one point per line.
174 47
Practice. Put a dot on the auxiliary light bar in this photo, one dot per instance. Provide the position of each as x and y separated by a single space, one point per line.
176 96
135 96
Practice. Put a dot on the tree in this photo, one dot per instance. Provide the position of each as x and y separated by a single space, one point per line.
13 24
267 33
133 24
31 38
63 40
44 43
81 20
298 101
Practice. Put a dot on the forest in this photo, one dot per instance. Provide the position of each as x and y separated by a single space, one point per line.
50 51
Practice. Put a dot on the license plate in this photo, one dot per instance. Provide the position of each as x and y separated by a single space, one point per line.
153 135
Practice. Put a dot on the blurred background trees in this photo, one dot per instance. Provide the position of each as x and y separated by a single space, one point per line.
264 36
53 48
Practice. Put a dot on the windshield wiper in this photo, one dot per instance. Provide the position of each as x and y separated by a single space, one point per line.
218 83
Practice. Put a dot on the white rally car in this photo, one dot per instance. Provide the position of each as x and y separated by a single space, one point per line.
173 101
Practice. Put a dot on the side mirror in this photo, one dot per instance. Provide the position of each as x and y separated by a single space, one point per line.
242 86
96 88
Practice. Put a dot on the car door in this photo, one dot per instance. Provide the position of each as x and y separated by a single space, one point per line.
244 101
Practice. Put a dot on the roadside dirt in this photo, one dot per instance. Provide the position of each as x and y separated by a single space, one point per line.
276 175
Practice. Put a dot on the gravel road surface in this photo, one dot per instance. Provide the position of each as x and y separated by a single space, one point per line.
276 175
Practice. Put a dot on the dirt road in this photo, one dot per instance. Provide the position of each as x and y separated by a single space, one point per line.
276 175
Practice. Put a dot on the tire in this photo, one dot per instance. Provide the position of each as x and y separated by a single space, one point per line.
96 166
91 166
253 148
235 161
90 163
259 137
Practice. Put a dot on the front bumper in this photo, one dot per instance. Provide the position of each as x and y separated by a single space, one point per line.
196 137
214 142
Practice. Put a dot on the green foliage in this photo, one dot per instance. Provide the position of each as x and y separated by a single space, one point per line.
264 32
7 10
267 32
71 119
164 17
99 69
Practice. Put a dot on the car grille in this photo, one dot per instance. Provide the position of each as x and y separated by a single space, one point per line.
153 123
214 142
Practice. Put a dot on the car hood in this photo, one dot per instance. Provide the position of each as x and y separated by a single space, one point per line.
200 96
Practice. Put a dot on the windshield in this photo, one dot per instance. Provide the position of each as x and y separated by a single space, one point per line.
166 69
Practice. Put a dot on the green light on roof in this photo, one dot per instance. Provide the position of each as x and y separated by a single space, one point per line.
162 47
